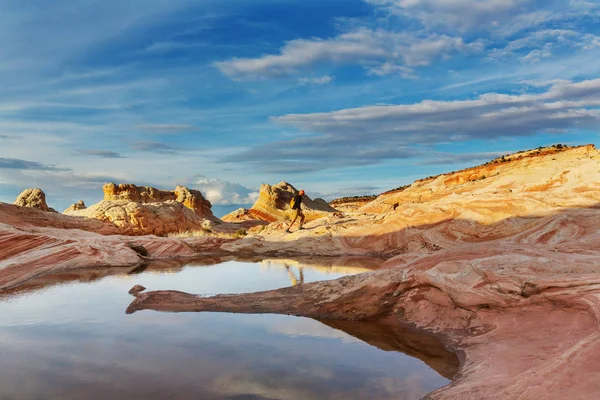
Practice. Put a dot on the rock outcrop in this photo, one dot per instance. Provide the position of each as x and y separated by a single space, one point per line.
34 243
34 198
137 219
191 199
351 204
80 205
26 218
273 205
143 210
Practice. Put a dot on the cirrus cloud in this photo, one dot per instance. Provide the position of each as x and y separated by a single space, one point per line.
364 46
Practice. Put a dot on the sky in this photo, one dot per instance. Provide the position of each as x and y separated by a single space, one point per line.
338 97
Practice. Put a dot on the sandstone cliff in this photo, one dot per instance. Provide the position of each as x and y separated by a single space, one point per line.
34 198
273 205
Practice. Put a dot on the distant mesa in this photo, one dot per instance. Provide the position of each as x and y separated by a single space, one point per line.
144 210
273 204
34 198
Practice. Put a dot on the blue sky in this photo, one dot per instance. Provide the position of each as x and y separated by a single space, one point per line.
337 97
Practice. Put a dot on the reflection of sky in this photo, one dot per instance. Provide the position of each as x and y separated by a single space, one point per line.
75 341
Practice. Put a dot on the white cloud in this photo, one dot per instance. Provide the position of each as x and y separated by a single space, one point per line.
389 68
459 15
324 80
222 192
367 47
369 135
563 105
540 44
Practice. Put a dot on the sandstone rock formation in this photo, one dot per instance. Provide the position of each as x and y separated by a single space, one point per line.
143 210
34 243
440 213
34 198
351 204
191 199
500 260
273 205
31 218
133 218
80 205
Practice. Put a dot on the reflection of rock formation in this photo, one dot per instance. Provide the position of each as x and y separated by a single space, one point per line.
34 198
142 210
273 205
86 275
390 336
332 265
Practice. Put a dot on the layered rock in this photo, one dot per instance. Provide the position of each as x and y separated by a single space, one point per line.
31 218
273 204
524 316
438 213
34 243
34 198
521 183
143 210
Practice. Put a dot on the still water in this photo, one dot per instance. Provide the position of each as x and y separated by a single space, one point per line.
67 336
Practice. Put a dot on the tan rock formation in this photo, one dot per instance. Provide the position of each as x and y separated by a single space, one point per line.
143 210
511 185
132 218
351 204
34 198
35 243
191 199
31 218
80 205
273 205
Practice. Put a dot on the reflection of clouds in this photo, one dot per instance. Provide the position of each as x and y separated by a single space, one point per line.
311 328
318 383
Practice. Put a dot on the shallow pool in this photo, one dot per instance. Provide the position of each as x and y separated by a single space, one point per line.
67 336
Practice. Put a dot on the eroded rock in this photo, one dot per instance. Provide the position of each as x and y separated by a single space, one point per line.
80 205
273 205
34 198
